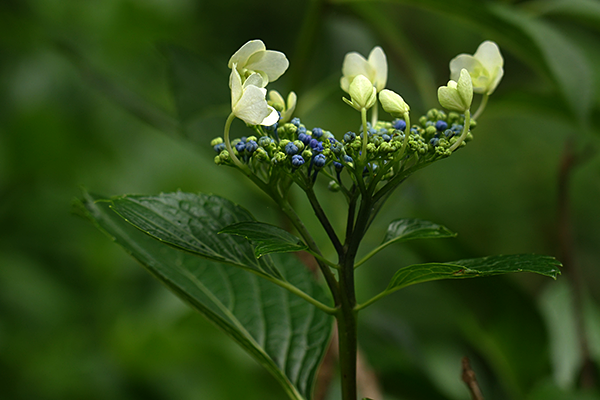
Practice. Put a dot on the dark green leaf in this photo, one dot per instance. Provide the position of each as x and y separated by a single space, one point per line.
191 222
401 230
284 333
474 267
268 238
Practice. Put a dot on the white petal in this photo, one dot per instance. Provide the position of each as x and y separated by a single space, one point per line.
465 61
355 64
378 62
252 107
489 55
241 56
254 80
235 83
498 76
272 118
272 63
291 101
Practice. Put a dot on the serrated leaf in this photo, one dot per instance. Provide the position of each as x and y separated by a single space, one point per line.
285 334
474 267
267 238
191 222
401 230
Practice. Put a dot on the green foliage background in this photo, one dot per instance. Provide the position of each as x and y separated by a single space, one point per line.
89 89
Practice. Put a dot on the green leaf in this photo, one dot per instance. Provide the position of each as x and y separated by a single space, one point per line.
401 230
268 238
474 267
285 334
191 222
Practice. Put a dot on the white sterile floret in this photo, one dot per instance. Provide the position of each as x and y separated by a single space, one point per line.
374 68
485 67
248 100
286 109
254 57
393 103
362 93
457 96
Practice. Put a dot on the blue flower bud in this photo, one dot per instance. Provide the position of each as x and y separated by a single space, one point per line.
449 133
317 132
240 146
348 159
457 129
297 160
316 145
349 137
319 161
291 149
441 125
434 141
338 166
386 137
219 147
399 124
304 138
251 146
371 131
337 148
296 121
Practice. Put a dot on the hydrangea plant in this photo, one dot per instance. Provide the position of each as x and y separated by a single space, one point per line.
242 274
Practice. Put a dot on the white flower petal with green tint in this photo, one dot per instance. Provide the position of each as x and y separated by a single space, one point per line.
253 57
375 69
252 107
485 67
248 101
241 56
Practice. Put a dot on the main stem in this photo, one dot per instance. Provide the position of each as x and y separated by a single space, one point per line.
348 343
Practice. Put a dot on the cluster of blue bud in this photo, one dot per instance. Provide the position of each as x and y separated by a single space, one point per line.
296 149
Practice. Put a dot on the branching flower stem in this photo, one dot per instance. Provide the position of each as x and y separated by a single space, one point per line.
481 107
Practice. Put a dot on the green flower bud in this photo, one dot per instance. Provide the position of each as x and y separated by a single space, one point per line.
333 186
457 96
362 93
393 103
307 154
299 144
216 141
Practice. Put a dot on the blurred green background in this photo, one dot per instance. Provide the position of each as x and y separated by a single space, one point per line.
111 95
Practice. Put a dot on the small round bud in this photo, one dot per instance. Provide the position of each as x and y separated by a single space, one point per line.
304 138
349 137
297 160
441 125
296 122
338 166
299 144
240 147
319 161
307 154
399 124
333 186
216 141
317 132
291 149
219 147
